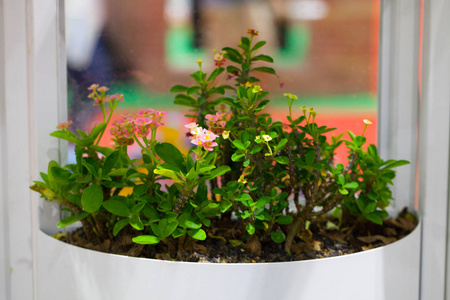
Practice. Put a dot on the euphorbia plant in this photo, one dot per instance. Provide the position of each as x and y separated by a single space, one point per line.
269 179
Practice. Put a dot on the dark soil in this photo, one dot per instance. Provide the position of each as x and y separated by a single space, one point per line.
226 246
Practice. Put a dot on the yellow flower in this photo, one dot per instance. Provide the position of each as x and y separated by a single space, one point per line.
367 122
311 110
199 61
257 138
248 84
290 96
267 138
225 134
256 89
242 179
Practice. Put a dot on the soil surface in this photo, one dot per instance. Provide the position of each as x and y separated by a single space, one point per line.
225 245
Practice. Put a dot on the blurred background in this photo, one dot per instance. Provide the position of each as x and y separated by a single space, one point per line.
325 52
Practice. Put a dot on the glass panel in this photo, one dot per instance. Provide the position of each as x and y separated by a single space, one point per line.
325 52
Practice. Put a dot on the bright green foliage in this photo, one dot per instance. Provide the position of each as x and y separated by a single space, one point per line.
271 180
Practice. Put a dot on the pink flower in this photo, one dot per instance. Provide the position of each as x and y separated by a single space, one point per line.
93 87
207 136
64 125
161 113
191 125
142 121
103 89
146 112
116 97
211 117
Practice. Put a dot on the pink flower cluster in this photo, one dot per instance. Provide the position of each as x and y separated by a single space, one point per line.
99 97
64 125
201 137
216 123
141 124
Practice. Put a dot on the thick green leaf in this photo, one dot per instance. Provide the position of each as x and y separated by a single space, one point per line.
215 73
262 202
136 222
185 100
284 220
263 58
198 234
351 185
163 228
117 208
258 45
171 155
150 213
282 160
178 89
72 219
110 162
250 229
217 172
92 198
61 175
64 135
146 239
264 70
120 225
277 236
375 218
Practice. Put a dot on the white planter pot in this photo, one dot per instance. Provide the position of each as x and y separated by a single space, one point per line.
68 272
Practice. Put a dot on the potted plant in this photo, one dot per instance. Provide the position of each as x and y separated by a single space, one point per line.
248 181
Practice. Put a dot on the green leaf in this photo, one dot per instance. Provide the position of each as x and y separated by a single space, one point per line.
64 135
185 100
117 208
217 172
277 236
263 57
310 157
282 160
198 234
238 144
92 198
110 162
284 220
60 175
163 228
351 185
258 45
72 219
250 229
120 225
233 55
118 172
150 212
146 239
395 164
178 89
171 155
95 132
264 70
375 218
262 202
166 173
179 232
192 90
136 222
215 73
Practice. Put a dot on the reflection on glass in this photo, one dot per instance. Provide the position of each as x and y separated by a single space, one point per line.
325 52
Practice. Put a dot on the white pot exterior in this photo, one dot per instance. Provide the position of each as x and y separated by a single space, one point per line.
68 272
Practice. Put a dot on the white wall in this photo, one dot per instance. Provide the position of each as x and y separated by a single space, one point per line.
29 111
